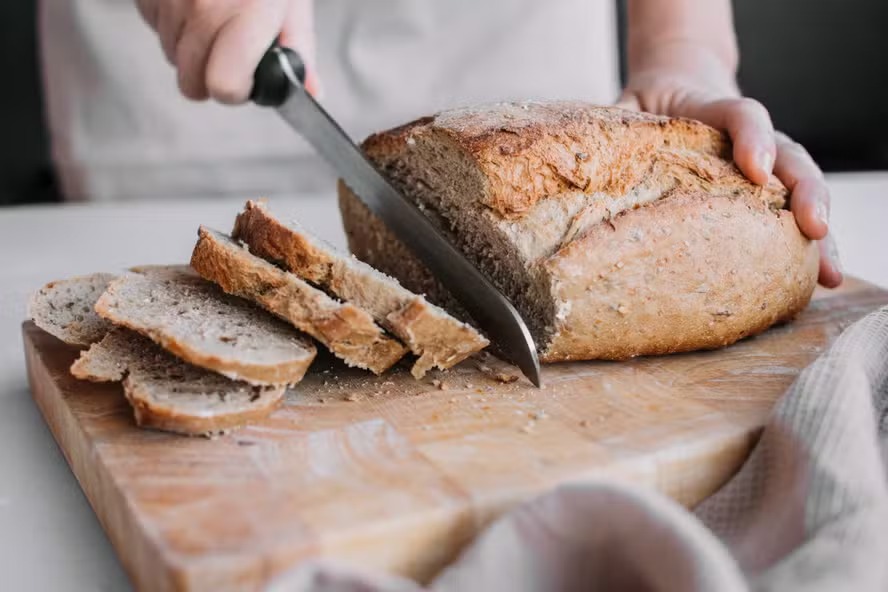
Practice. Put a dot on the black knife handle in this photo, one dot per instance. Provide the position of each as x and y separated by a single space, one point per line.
271 87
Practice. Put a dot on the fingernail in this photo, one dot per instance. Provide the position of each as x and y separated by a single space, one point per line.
832 251
765 161
821 212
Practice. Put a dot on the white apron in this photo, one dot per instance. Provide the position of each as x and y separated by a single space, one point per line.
120 129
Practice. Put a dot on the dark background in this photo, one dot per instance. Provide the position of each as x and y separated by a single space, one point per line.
25 175
820 66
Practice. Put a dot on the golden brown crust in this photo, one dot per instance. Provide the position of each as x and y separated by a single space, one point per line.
273 241
438 339
346 330
530 151
689 272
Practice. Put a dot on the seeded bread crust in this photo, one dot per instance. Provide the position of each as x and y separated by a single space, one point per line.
436 337
170 395
615 233
196 321
344 329
65 309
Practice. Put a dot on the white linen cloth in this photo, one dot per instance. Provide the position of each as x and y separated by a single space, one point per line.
808 510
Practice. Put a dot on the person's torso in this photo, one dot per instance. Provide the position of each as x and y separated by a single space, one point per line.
120 129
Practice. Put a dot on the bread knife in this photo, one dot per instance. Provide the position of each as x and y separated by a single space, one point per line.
279 82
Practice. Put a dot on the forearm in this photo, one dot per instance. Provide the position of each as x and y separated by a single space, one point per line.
691 37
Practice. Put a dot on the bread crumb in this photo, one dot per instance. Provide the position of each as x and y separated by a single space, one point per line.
622 310
620 265
505 377
353 398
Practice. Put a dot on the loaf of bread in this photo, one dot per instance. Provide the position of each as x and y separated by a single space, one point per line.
615 233
438 339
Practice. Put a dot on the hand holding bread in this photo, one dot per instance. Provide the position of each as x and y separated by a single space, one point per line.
682 62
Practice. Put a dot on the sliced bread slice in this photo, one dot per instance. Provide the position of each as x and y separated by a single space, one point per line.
64 309
439 339
169 394
194 320
346 330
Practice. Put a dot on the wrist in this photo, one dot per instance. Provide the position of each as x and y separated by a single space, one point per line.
692 64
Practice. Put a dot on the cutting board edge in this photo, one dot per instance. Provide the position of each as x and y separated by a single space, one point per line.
145 568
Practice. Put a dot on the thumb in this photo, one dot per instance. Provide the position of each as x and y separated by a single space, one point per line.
628 101
298 32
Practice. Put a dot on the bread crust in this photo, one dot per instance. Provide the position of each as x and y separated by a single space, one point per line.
346 330
689 272
528 152
665 245
438 339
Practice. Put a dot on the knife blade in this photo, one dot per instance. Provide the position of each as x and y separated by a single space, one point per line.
279 82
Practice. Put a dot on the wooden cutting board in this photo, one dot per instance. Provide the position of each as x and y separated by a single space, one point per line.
394 474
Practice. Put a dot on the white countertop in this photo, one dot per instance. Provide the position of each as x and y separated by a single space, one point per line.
49 536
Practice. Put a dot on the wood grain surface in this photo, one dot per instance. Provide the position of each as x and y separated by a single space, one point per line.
396 474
